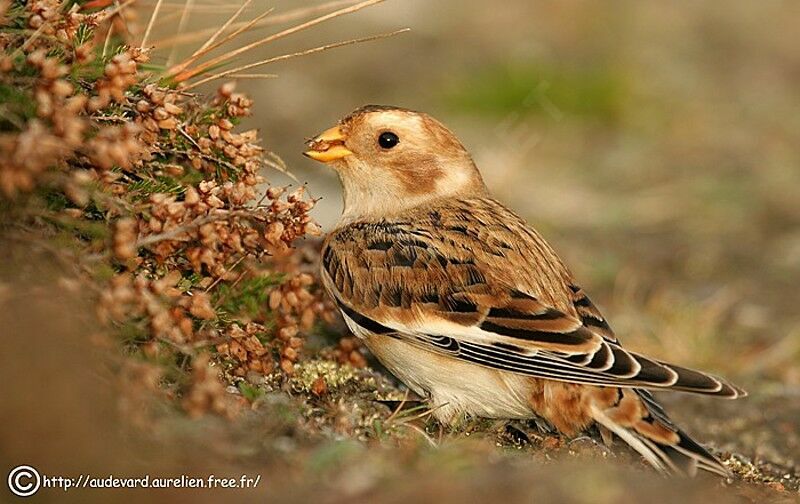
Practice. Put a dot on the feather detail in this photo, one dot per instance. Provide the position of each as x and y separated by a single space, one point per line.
638 420
472 271
488 350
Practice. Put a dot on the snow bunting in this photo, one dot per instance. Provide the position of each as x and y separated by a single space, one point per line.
470 307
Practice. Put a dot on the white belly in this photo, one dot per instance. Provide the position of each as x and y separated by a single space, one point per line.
455 388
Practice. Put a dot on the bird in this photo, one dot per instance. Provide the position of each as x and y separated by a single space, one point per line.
467 305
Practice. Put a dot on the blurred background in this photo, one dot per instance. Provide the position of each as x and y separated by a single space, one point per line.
655 144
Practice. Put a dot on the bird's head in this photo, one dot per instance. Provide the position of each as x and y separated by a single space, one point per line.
390 159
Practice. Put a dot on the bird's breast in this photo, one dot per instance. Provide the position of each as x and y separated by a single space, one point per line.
454 387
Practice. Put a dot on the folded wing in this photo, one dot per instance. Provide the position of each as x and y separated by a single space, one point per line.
474 282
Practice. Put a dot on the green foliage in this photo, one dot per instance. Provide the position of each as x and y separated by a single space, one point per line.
81 228
55 200
143 188
250 392
132 332
16 16
249 298
187 282
84 34
16 107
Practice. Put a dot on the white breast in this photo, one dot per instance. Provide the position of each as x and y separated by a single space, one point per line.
455 388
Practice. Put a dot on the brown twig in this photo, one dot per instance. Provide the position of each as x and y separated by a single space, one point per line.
174 233
219 278
207 157
189 137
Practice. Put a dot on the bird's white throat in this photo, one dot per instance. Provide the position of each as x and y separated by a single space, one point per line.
372 193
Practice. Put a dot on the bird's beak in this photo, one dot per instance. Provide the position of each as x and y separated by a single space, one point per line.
328 146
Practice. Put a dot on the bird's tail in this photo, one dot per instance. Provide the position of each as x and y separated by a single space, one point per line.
643 424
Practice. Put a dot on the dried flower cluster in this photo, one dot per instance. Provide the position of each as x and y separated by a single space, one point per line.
190 251
119 74
206 392
348 351
248 349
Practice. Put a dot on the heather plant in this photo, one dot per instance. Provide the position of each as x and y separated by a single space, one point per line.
156 197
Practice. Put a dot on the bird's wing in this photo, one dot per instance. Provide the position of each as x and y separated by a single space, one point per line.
471 280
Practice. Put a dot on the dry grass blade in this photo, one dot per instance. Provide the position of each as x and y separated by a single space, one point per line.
107 40
424 435
291 15
419 416
405 419
188 74
293 55
151 23
207 46
205 8
399 408
199 54
187 7
253 76
167 19
30 40
221 30
275 162
307 11
116 10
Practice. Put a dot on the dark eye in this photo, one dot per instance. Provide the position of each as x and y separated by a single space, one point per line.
387 140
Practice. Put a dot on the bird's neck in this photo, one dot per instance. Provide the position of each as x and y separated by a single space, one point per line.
381 195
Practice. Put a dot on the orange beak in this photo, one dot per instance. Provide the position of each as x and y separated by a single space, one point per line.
328 146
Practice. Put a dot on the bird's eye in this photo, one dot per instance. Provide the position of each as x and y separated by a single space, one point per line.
387 140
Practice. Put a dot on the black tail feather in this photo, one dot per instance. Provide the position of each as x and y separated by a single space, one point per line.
682 457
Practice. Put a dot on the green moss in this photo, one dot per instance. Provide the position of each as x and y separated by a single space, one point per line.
249 392
335 375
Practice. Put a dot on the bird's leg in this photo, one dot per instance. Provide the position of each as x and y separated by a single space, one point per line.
515 431
544 427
